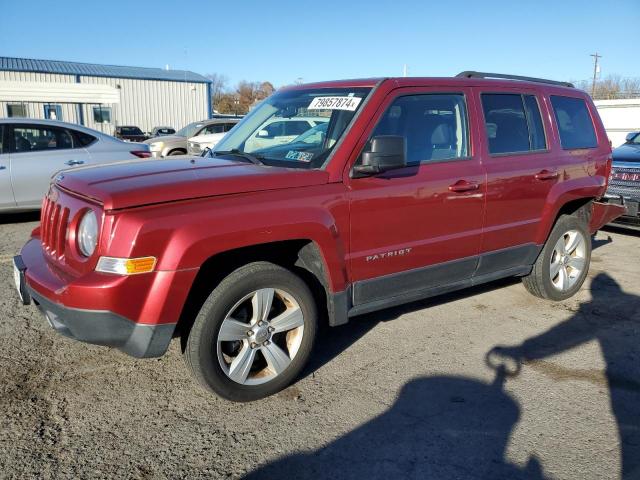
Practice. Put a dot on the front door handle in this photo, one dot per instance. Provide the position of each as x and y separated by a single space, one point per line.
74 162
547 175
464 186
2 167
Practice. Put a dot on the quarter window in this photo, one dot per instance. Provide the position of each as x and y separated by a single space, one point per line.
513 123
34 138
574 123
434 126
84 139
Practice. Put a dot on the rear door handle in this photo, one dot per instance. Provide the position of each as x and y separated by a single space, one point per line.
547 175
464 186
74 162
2 167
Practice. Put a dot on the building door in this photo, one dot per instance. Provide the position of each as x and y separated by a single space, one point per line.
418 227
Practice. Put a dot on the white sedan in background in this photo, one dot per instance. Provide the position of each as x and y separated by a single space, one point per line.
32 150
197 145
276 131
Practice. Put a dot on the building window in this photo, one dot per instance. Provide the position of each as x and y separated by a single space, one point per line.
53 112
17 110
102 114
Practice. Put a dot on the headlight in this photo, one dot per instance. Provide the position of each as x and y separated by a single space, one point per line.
156 146
88 233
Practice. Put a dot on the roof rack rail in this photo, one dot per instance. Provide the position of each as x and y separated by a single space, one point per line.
472 74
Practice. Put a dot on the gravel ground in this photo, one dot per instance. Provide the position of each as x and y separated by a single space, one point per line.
403 393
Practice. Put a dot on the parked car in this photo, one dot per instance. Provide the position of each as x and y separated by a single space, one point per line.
418 187
177 144
31 151
130 134
280 130
162 131
624 184
209 137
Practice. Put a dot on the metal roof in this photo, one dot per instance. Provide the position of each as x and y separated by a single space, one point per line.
95 70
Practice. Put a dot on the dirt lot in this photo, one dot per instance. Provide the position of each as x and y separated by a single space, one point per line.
403 393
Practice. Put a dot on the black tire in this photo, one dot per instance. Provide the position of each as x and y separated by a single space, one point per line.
539 282
176 152
200 351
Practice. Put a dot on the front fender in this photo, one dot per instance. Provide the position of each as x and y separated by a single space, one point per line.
185 234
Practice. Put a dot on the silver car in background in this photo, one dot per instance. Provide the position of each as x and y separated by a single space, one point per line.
32 150
177 144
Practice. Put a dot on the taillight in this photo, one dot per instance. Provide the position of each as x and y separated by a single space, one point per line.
141 153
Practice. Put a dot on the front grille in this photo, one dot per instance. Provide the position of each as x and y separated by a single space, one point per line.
625 182
53 227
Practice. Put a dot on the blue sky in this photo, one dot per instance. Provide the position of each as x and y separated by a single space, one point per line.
281 41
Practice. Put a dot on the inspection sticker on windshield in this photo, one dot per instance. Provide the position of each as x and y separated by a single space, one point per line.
300 156
334 103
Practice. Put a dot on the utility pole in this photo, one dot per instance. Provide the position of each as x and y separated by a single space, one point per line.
596 70
405 70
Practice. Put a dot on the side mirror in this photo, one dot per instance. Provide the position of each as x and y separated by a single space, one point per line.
630 136
387 152
263 133
206 153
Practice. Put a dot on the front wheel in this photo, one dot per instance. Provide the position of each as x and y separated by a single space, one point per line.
254 333
563 263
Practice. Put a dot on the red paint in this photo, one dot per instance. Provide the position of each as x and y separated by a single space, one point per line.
184 212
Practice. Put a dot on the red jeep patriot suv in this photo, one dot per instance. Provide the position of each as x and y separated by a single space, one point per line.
403 189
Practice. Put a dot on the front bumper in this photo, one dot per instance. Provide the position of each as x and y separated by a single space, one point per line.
106 328
137 314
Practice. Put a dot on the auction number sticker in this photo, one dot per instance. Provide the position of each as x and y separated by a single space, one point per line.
300 156
334 103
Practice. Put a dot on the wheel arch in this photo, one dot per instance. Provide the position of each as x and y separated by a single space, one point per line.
577 201
303 256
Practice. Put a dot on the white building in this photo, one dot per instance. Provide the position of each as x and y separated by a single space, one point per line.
102 96
619 117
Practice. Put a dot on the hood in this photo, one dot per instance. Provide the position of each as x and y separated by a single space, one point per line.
166 139
207 137
627 153
135 183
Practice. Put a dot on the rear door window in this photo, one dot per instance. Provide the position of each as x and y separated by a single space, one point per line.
574 123
34 138
513 123
214 128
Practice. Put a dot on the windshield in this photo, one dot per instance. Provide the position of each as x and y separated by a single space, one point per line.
295 128
635 140
131 131
189 130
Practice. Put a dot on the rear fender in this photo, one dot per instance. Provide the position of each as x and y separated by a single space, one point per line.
575 190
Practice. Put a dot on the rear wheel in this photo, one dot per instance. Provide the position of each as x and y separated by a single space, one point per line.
563 263
253 334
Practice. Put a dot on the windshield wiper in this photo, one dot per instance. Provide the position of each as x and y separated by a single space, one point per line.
255 159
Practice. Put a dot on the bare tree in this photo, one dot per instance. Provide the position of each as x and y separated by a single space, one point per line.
245 96
611 87
218 87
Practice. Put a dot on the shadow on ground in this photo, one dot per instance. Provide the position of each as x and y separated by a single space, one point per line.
454 427
22 217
